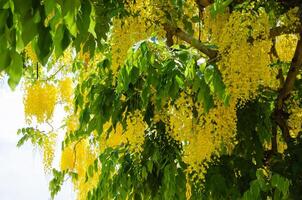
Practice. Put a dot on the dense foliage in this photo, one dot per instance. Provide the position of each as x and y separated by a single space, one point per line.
174 99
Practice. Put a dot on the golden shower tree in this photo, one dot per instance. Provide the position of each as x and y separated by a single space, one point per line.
174 99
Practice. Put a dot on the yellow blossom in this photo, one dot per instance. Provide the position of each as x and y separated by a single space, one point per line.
66 90
48 151
39 101
286 46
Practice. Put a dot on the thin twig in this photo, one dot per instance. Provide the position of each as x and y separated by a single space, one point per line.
51 126
54 74
75 152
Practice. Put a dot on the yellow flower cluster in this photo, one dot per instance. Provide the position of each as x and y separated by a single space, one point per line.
89 64
188 188
67 158
212 26
84 56
67 57
49 150
72 123
125 33
66 90
112 139
182 123
204 134
88 60
286 46
190 10
133 135
29 52
39 101
295 119
282 146
290 19
135 131
85 186
149 10
78 157
130 30
244 44
245 67
84 157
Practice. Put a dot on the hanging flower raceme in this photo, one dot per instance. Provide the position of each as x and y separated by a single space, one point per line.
39 101
130 30
66 90
202 135
78 157
244 42
49 151
133 134
286 46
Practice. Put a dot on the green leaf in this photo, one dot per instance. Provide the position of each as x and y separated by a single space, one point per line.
57 38
22 140
281 183
144 173
5 59
219 6
61 40
204 96
92 24
150 165
145 95
71 24
90 171
179 81
43 45
3 17
29 29
208 73
69 12
15 70
261 180
219 87
49 6
56 183
21 8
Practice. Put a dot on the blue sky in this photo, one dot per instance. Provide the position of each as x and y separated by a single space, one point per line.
21 170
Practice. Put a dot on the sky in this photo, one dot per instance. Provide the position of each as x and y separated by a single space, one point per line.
21 169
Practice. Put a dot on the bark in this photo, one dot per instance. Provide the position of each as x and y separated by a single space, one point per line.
280 30
280 116
211 53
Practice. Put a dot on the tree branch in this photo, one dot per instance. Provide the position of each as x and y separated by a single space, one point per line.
290 3
296 65
169 36
274 139
279 114
211 53
280 30
202 4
